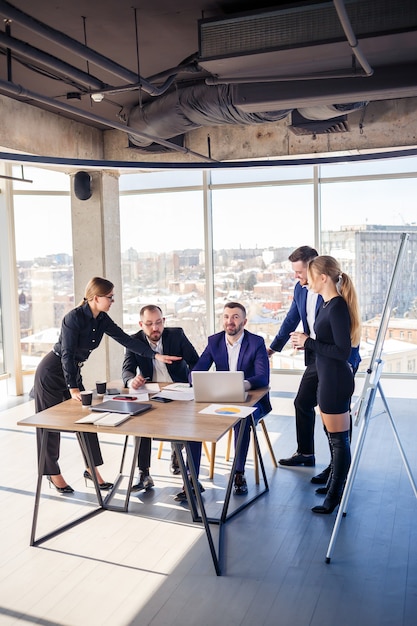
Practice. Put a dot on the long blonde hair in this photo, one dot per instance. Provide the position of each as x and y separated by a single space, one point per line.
328 265
96 287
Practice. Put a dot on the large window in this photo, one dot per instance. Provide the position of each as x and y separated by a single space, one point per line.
162 243
254 231
354 211
44 260
362 222
193 240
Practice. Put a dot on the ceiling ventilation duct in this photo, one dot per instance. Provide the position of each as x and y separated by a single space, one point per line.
200 106
194 107
302 126
270 43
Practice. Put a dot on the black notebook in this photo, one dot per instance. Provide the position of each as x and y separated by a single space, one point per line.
121 406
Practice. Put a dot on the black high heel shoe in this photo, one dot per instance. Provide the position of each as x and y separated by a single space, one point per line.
326 510
103 486
66 489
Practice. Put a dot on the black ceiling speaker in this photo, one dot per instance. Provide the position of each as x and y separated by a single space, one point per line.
82 185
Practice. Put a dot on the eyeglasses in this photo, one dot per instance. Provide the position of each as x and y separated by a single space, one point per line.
111 298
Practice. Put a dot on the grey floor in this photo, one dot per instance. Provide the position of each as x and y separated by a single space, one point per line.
152 565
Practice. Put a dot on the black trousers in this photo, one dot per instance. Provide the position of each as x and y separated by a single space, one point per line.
144 454
50 389
305 413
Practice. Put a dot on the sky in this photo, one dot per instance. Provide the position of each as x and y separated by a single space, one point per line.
250 217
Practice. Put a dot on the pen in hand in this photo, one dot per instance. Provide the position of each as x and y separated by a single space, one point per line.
138 381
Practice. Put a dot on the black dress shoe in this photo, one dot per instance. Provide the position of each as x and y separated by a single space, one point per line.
325 510
145 482
299 459
240 487
66 489
104 486
321 479
182 496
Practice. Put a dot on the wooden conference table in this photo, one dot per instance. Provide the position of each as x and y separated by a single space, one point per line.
178 422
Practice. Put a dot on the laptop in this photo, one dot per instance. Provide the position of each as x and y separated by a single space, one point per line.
121 406
219 386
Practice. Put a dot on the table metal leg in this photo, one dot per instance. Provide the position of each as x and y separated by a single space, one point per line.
61 529
190 478
225 516
125 506
194 497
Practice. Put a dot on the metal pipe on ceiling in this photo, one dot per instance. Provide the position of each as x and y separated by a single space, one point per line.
34 55
74 46
19 91
237 80
339 5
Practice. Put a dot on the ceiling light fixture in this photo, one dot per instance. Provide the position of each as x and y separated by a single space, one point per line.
97 97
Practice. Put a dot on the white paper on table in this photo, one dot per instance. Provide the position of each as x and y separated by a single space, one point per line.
112 419
184 395
228 409
104 419
151 387
178 387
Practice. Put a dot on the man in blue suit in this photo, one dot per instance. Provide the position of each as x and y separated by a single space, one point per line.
137 370
236 349
303 309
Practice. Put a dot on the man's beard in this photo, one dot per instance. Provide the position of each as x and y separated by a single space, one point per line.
235 330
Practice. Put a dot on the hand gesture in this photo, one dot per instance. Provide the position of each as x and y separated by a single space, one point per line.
165 358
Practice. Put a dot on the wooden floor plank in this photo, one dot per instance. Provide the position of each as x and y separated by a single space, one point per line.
152 566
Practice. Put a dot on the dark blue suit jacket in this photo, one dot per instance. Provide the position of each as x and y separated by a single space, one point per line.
253 361
297 313
175 343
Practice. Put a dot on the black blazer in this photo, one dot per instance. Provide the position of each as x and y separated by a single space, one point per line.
175 343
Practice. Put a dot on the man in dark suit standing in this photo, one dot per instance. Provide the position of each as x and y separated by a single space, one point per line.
236 349
304 308
137 370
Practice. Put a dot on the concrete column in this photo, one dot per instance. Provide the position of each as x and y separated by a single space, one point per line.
96 245
9 300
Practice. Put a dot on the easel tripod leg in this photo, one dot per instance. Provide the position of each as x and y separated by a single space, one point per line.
347 490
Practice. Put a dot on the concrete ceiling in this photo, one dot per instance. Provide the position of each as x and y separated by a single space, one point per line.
271 57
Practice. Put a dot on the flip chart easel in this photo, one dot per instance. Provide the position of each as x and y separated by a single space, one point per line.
363 411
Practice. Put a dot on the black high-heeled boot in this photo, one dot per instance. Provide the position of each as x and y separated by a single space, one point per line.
341 462
324 490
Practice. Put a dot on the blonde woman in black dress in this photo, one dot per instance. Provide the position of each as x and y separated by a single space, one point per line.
337 329
58 375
